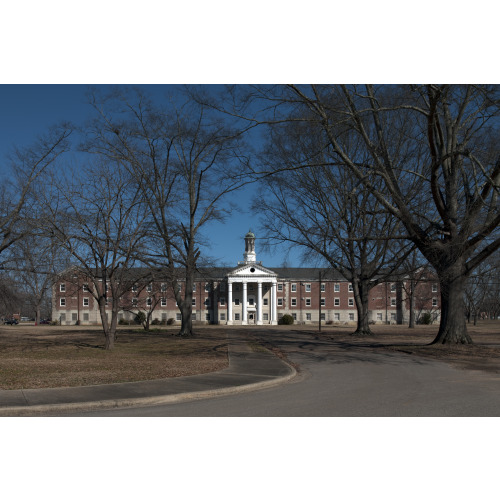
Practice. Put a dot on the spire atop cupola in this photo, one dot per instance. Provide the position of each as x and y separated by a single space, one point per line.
249 254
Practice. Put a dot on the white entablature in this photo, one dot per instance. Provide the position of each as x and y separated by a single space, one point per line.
252 273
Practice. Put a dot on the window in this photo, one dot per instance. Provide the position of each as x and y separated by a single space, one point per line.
323 301
164 317
193 301
149 301
207 317
308 316
336 287
322 287
236 302
393 301
178 317
294 302
85 316
163 287
322 317
434 302
134 302
237 317
393 287
294 287
294 316
85 302
194 287
434 287
351 302
280 302
350 287
379 316
393 316
85 287
149 288
223 316
336 316
308 287
207 287
74 317
62 287
134 288
207 302
63 317
222 301
265 316
265 302
280 287
336 302
308 302
193 317
251 302
351 316
163 302
62 302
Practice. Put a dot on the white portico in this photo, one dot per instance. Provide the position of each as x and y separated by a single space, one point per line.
251 290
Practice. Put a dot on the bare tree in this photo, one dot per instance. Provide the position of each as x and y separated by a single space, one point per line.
184 160
428 154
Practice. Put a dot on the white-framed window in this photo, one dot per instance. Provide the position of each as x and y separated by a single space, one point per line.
178 317
265 301
434 302
134 302
336 302
308 316
62 302
280 302
149 287
322 317
207 287
349 288
393 301
194 287
62 287
434 287
164 317
134 288
336 316
393 316
393 287
85 316
222 301
294 287
236 316
236 302
85 287
163 287
223 316
323 287
193 301
193 317
280 287
163 302
251 301
207 316
149 301
379 316
293 302
294 316
265 316
351 316
308 302
336 287
308 287
351 302
323 301
85 302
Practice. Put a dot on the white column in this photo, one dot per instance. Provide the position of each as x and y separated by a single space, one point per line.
274 302
244 306
259 303
229 303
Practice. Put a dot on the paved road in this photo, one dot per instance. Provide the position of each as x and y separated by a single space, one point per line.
339 381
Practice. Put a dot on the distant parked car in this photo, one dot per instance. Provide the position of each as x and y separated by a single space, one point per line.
10 322
45 321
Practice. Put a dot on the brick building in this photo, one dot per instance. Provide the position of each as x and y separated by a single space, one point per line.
249 294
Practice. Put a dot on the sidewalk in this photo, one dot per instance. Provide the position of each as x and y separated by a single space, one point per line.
247 371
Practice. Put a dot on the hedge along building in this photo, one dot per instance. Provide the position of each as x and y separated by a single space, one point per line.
249 294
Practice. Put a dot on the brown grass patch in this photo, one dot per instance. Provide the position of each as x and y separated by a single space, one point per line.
36 357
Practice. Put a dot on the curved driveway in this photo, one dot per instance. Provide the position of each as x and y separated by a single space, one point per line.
336 380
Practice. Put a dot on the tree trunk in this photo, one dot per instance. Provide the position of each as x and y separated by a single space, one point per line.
411 323
186 316
361 290
452 328
109 328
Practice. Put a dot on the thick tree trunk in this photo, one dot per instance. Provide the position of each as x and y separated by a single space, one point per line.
109 327
361 290
452 329
411 323
186 317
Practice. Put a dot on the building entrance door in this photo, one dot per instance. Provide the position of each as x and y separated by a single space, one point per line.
251 318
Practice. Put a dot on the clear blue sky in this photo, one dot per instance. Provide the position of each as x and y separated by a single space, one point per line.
27 112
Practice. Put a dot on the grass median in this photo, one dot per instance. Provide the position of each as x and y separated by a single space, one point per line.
33 357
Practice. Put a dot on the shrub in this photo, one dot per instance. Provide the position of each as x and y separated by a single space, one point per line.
286 319
155 322
140 318
122 321
170 321
163 322
329 322
425 319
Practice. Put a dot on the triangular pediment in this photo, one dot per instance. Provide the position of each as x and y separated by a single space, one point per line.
252 270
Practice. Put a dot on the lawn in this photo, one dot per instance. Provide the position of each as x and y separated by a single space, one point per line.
33 357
